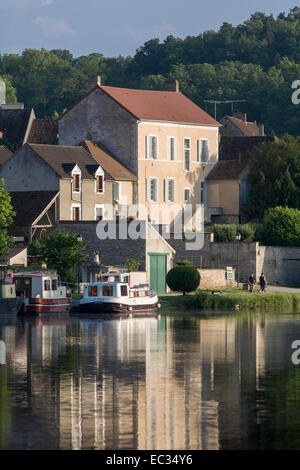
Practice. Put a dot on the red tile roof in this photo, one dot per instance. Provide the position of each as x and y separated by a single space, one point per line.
108 161
157 105
247 128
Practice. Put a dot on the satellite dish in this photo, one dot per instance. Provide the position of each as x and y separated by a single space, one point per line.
2 92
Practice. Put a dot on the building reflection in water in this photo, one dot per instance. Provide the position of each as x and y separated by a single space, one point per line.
138 383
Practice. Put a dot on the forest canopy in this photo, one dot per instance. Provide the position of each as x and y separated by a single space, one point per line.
256 61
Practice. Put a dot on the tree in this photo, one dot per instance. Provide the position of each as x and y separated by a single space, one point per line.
62 251
6 218
275 176
280 227
183 279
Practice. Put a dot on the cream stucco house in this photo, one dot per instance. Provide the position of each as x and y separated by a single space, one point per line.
162 137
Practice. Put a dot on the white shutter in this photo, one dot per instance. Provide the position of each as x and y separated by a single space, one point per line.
157 148
156 189
175 149
168 148
116 191
147 146
175 190
166 189
208 151
199 151
148 186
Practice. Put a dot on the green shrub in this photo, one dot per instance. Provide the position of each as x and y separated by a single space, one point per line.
183 279
281 227
226 233
132 264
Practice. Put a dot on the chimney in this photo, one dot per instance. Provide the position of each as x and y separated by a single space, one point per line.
244 117
261 130
172 85
93 81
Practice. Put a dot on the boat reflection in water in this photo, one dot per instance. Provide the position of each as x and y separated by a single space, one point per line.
176 382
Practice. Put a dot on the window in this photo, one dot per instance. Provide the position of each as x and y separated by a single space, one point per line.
117 190
76 213
76 182
171 148
99 212
54 284
107 291
170 190
187 195
244 192
203 151
202 192
47 284
152 147
152 189
187 154
93 291
99 184
124 291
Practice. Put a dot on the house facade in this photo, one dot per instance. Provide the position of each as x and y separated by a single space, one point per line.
162 137
79 188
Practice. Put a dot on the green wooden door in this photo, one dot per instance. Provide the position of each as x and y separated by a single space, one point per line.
158 262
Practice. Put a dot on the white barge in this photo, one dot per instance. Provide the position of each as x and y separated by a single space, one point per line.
111 293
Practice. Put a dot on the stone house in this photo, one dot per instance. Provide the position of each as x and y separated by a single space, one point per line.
162 137
51 183
238 126
227 183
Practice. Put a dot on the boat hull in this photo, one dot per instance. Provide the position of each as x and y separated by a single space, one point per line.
111 307
37 305
11 306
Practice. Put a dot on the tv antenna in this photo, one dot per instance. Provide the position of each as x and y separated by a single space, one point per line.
216 102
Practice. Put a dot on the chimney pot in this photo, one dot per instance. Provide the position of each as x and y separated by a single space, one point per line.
93 81
172 85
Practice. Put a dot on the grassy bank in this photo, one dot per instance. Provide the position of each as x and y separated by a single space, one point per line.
232 301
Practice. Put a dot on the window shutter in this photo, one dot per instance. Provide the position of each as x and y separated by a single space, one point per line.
156 190
147 147
166 189
207 151
175 149
175 190
168 148
148 186
116 191
157 148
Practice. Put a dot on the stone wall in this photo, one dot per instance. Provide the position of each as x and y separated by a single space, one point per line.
280 264
215 279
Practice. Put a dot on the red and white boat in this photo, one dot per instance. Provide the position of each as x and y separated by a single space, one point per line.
42 292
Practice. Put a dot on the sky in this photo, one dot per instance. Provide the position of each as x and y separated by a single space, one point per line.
117 27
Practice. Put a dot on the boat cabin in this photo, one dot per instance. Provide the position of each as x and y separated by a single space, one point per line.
39 284
115 284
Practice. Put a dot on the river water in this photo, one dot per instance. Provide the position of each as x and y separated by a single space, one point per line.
168 382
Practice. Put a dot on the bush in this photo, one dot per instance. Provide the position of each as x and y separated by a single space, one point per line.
226 233
183 279
132 264
281 227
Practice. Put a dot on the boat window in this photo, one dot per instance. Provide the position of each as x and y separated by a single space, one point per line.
126 279
107 291
136 293
54 284
146 293
47 284
124 290
116 278
93 291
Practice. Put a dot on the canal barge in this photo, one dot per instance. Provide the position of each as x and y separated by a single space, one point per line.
111 293
41 292
10 304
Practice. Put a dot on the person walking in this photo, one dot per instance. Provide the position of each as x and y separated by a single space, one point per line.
251 282
262 282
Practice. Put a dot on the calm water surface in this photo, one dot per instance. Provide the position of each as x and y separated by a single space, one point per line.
173 382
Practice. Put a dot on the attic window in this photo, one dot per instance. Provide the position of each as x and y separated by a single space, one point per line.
99 184
76 183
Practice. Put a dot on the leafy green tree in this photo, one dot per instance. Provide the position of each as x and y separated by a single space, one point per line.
61 251
183 279
6 218
275 176
280 227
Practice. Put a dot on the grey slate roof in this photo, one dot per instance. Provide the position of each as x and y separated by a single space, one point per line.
14 124
43 131
5 154
28 205
62 159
